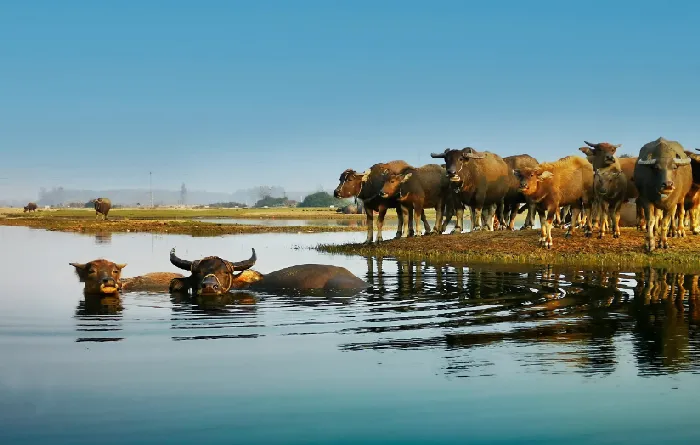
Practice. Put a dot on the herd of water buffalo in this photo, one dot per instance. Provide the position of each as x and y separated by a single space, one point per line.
664 182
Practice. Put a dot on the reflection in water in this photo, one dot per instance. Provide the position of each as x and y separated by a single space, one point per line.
97 317
213 317
103 238
584 317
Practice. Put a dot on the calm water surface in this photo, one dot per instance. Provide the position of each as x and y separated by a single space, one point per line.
430 354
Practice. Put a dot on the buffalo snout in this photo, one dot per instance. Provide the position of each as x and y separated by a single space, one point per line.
336 194
667 185
210 285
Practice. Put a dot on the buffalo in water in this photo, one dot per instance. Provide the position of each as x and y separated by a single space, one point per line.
103 277
215 276
31 207
102 206
663 177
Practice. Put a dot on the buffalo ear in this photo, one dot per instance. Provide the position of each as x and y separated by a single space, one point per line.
407 177
587 151
544 175
120 266
365 176
81 269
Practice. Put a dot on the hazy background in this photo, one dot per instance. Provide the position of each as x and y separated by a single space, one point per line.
226 96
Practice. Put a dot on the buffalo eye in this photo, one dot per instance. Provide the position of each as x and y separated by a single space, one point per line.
115 271
92 271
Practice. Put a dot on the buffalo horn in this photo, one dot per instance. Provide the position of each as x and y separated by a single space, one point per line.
246 264
590 145
646 162
177 262
682 161
439 155
474 156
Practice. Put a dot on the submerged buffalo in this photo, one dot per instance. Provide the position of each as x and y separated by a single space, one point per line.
31 207
215 276
102 206
103 277
663 177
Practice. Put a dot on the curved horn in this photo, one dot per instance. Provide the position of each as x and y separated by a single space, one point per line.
246 264
439 155
177 262
697 149
472 155
617 146
694 157
682 161
590 145
647 162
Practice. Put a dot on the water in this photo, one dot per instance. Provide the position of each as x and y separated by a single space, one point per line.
430 354
294 222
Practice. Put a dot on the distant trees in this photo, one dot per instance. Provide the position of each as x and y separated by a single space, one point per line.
321 199
227 205
183 194
625 155
269 201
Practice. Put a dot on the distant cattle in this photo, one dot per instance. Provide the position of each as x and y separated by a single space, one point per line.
31 207
102 206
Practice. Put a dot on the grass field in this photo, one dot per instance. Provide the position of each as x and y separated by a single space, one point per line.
521 247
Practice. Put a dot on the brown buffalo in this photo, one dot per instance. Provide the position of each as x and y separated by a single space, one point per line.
215 276
420 188
368 187
663 177
602 155
103 277
692 199
102 207
568 181
610 187
514 197
479 179
31 207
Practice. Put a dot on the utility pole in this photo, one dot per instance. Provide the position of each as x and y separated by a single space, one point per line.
150 186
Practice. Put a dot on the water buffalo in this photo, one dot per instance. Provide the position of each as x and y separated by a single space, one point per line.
479 179
103 277
31 207
692 199
514 197
215 276
352 209
568 181
602 155
663 177
102 206
420 188
367 187
610 188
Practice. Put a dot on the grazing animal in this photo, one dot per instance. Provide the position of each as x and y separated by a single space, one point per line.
103 277
420 188
663 177
215 276
602 155
102 206
610 187
692 199
367 187
479 179
31 207
568 181
514 197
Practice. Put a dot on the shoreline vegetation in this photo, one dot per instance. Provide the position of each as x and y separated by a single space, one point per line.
521 247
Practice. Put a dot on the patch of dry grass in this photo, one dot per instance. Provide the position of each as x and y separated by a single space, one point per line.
521 247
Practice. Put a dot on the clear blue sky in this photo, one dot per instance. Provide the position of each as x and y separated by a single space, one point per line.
228 94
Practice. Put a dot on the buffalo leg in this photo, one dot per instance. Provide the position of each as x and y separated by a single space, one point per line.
551 213
543 227
681 219
370 224
614 211
459 211
438 217
575 213
650 216
476 218
380 222
665 222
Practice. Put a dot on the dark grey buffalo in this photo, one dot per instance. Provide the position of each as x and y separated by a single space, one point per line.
102 206
31 207
215 276
663 177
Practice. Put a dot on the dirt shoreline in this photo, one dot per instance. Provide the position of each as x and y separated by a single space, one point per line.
521 247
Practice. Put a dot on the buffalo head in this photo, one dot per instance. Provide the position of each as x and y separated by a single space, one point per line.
606 180
601 154
392 185
454 160
664 171
100 276
349 186
212 275
530 179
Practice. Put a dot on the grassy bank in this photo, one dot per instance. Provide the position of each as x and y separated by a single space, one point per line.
521 247
174 214
183 226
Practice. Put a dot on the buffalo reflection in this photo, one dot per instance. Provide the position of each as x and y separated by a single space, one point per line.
229 315
581 318
103 238
98 315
